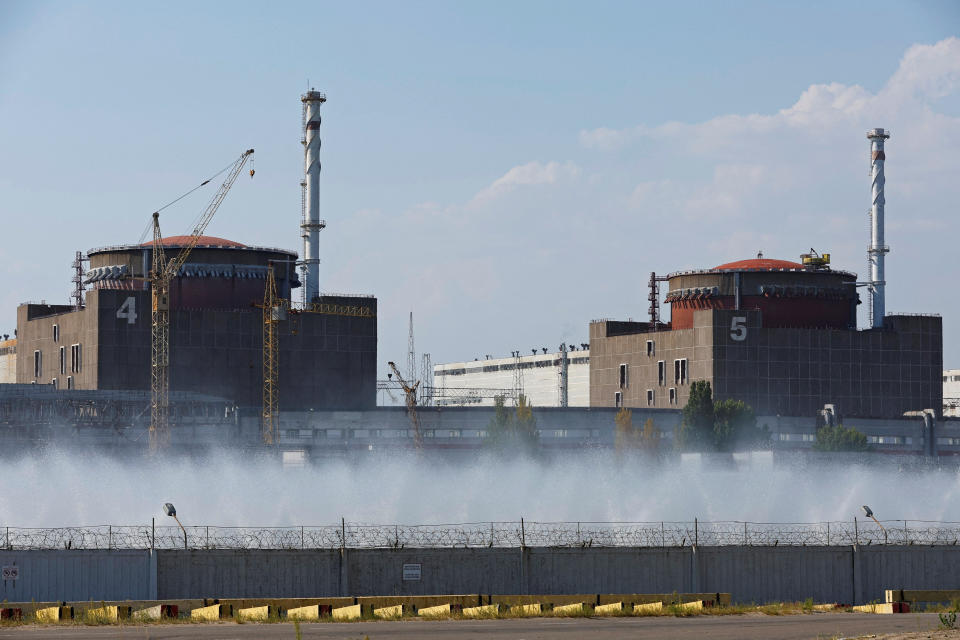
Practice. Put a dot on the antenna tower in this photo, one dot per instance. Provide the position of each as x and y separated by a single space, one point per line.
517 377
426 381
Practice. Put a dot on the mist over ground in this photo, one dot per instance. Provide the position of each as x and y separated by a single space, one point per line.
79 488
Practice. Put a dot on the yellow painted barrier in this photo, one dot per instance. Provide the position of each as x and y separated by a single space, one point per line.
648 607
607 609
886 607
213 612
825 607
532 609
353 612
574 608
106 614
53 614
437 611
156 612
259 614
310 612
394 611
696 605
482 611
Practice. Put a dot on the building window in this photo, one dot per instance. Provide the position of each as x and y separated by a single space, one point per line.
624 381
650 397
37 364
56 333
683 371
673 395
54 383
76 358
69 382
618 399
63 360
559 433
661 372
651 348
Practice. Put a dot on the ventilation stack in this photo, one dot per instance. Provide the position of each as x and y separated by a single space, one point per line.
311 224
877 249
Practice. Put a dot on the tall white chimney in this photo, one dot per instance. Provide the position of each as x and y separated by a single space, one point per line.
310 223
877 249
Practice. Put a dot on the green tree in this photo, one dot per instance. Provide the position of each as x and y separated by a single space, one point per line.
723 425
840 438
513 431
650 436
696 430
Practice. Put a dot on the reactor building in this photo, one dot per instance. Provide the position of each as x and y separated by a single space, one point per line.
780 335
327 344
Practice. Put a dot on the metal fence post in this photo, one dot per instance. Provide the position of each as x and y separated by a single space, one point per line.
301 536
153 533
828 533
856 533
696 533
109 537
663 535
745 539
208 536
523 535
8 538
579 540
906 533
343 534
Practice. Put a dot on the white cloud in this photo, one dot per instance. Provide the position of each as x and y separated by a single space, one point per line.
532 173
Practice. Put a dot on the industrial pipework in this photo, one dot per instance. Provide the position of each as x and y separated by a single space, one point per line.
311 224
877 249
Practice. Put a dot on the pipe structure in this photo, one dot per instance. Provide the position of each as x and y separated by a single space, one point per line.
311 224
877 249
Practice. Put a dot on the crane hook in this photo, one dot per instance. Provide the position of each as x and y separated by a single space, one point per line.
252 170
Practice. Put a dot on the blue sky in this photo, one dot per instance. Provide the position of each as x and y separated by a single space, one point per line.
507 171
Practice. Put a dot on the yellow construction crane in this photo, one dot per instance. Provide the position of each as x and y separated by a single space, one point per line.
275 310
161 275
411 392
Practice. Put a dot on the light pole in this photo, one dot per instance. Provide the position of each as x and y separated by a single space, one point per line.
171 511
867 510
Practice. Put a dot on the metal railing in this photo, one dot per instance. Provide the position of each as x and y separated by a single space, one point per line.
517 534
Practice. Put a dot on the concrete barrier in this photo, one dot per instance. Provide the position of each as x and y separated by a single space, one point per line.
212 612
419 602
310 612
259 614
533 609
695 605
439 610
53 614
573 608
827 607
921 595
353 612
156 612
648 608
553 598
885 607
107 614
394 611
483 611
608 609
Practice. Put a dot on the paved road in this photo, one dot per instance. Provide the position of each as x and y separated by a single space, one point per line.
796 627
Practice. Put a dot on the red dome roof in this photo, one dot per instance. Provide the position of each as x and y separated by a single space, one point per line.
204 241
758 264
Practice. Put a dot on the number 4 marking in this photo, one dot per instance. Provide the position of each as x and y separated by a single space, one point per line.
738 328
128 310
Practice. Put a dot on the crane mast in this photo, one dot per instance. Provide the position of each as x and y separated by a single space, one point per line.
160 277
411 393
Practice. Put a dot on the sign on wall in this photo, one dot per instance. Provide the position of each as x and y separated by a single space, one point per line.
13 573
411 572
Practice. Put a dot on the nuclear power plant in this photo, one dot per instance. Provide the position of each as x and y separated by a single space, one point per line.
227 337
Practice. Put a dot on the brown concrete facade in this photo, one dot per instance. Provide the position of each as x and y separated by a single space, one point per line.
876 373
326 361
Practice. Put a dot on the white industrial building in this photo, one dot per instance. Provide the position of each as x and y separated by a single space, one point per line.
951 393
541 378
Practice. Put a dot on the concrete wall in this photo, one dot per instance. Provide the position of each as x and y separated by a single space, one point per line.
8 361
48 576
751 574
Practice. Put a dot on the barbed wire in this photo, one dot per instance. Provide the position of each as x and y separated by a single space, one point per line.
487 534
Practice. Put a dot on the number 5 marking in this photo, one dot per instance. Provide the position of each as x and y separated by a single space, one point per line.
128 310
738 328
